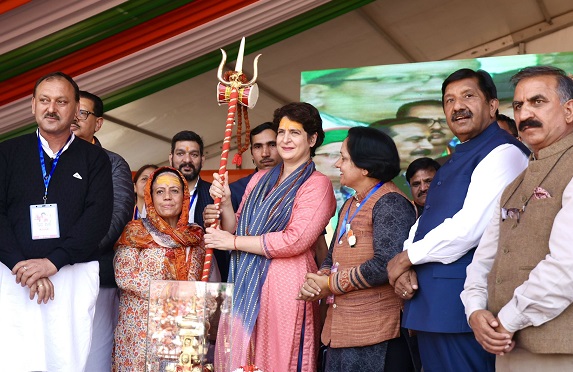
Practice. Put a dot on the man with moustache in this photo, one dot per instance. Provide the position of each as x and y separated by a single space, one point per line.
517 294
419 175
187 156
55 207
430 272
441 137
88 121
411 136
263 140
358 96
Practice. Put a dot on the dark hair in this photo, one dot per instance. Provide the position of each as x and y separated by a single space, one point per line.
98 103
510 123
485 82
187 135
305 114
404 110
419 164
564 83
140 170
386 125
261 128
374 151
59 75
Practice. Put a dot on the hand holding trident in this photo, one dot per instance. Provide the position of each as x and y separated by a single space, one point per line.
233 91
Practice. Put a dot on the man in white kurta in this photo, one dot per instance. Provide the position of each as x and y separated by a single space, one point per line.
517 294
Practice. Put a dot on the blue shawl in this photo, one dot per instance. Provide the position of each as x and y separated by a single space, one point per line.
267 209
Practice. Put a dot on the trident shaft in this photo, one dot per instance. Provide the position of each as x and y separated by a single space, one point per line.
231 91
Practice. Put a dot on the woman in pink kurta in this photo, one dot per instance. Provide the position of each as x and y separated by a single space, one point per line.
282 214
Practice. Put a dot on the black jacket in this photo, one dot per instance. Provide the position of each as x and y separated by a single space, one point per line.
123 204
81 187
204 199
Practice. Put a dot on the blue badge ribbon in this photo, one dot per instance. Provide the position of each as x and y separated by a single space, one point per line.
346 220
45 176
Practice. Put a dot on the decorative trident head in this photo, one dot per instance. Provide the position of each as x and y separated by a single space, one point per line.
234 79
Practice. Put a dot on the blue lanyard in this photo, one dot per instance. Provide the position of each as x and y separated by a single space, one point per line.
46 177
193 198
346 220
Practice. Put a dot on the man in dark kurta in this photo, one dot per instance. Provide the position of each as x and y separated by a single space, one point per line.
87 123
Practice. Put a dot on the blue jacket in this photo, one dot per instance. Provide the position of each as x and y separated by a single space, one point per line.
437 307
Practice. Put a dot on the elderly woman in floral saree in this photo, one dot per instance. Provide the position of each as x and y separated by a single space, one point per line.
161 246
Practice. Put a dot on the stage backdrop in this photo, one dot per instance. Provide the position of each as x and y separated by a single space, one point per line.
404 101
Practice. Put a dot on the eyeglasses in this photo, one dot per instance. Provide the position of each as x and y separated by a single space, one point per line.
84 114
398 78
512 213
441 122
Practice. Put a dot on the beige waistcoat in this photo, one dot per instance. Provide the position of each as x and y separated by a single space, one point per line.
523 245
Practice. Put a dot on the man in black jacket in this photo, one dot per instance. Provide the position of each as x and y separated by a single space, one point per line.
55 207
88 121
187 156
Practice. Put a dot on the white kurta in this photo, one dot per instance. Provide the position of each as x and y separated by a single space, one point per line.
52 337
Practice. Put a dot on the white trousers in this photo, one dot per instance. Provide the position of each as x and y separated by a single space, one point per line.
105 320
52 337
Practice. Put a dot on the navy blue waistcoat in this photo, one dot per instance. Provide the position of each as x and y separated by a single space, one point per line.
437 307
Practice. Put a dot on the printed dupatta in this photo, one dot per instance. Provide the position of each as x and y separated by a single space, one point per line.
152 232
267 209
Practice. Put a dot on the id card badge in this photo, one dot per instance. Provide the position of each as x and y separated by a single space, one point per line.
44 221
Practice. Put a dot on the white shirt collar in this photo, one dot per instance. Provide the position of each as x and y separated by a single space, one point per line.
47 148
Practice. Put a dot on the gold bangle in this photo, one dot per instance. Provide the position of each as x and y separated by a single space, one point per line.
235 242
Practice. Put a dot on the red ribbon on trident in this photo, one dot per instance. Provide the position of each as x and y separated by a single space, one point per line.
248 94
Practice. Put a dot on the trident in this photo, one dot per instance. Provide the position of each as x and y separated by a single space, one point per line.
231 92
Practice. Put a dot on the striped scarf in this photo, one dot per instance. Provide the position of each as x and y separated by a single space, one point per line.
267 209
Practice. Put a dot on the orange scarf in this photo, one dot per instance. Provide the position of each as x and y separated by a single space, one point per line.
153 232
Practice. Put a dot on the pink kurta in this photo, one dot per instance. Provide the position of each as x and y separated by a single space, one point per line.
279 323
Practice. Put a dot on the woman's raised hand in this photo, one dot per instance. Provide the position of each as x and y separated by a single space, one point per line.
220 188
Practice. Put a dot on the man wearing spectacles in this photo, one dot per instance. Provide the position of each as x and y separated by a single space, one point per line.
87 122
411 136
443 240
441 137
519 288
